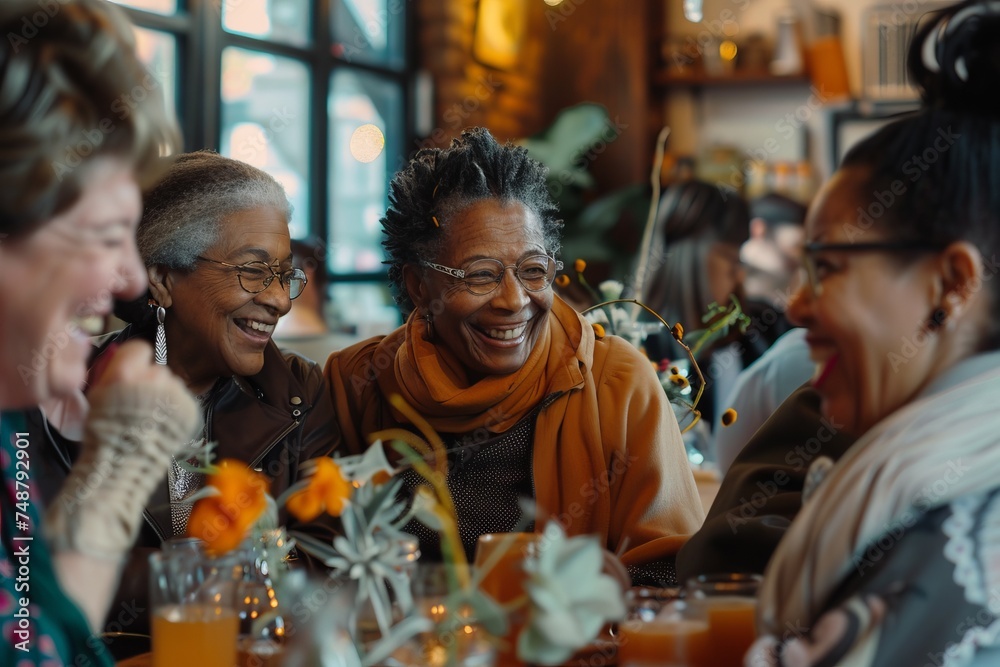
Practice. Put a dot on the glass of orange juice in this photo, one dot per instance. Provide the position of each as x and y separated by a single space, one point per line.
502 557
194 602
659 631
728 603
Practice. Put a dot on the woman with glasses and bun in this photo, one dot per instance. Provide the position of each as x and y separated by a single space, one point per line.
215 243
894 558
531 402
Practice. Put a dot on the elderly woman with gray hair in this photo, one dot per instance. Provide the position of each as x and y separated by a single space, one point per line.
214 239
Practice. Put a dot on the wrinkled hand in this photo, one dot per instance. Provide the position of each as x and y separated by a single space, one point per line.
140 414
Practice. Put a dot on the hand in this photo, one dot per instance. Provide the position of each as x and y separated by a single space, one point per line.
140 415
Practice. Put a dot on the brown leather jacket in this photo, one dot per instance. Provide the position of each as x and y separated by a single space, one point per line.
274 420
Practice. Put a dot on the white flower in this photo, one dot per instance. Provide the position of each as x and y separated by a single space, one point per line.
611 289
361 468
571 598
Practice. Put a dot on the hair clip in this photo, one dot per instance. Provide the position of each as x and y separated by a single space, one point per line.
436 223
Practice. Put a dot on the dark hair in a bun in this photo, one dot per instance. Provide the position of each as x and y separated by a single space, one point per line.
934 175
955 57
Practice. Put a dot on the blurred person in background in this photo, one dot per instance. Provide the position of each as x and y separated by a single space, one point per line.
305 329
771 257
694 261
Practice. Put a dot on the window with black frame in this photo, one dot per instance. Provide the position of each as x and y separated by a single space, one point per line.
314 92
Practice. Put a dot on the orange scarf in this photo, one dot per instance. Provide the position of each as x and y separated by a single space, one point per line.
432 380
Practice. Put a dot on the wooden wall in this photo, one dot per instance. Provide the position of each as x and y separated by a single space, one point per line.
581 51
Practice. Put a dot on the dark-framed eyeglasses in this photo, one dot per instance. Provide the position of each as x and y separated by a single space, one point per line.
481 277
814 275
257 276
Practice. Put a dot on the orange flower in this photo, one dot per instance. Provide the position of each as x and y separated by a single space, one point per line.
562 280
678 332
579 266
222 520
598 330
327 491
729 417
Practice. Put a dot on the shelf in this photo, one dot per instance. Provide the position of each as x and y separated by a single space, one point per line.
696 79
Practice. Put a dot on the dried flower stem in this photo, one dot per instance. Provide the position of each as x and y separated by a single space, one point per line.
694 364
437 478
647 234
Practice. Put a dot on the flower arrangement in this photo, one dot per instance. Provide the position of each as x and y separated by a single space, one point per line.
682 380
567 597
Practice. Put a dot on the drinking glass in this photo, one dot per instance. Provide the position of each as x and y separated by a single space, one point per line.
728 604
194 601
457 638
661 632
504 554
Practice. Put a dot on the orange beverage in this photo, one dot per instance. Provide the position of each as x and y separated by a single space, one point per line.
197 635
505 580
731 629
664 643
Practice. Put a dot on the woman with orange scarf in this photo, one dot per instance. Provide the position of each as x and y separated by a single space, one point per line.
530 401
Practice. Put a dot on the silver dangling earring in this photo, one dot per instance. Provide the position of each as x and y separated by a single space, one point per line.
161 336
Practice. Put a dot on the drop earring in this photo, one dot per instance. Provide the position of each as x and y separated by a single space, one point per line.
429 320
161 335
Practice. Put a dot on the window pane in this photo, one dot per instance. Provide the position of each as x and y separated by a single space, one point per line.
158 52
280 20
158 6
369 31
360 168
265 121
367 309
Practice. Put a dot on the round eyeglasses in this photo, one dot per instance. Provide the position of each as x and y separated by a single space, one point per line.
257 276
483 276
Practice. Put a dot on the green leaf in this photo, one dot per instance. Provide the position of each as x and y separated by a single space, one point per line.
487 612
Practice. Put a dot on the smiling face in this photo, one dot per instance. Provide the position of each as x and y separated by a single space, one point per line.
868 330
70 268
214 327
492 334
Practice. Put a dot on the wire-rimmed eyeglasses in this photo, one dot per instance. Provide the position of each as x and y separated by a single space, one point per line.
814 275
257 276
482 276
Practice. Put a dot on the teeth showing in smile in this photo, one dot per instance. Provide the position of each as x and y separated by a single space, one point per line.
507 334
260 326
92 325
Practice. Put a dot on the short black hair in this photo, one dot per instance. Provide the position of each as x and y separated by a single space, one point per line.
438 183
696 209
934 175
776 209
310 253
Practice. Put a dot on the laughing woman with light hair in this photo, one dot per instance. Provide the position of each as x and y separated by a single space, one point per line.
67 248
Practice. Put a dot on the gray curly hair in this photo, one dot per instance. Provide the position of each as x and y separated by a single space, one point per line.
184 212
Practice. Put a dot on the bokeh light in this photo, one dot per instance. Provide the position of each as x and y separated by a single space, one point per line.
367 143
